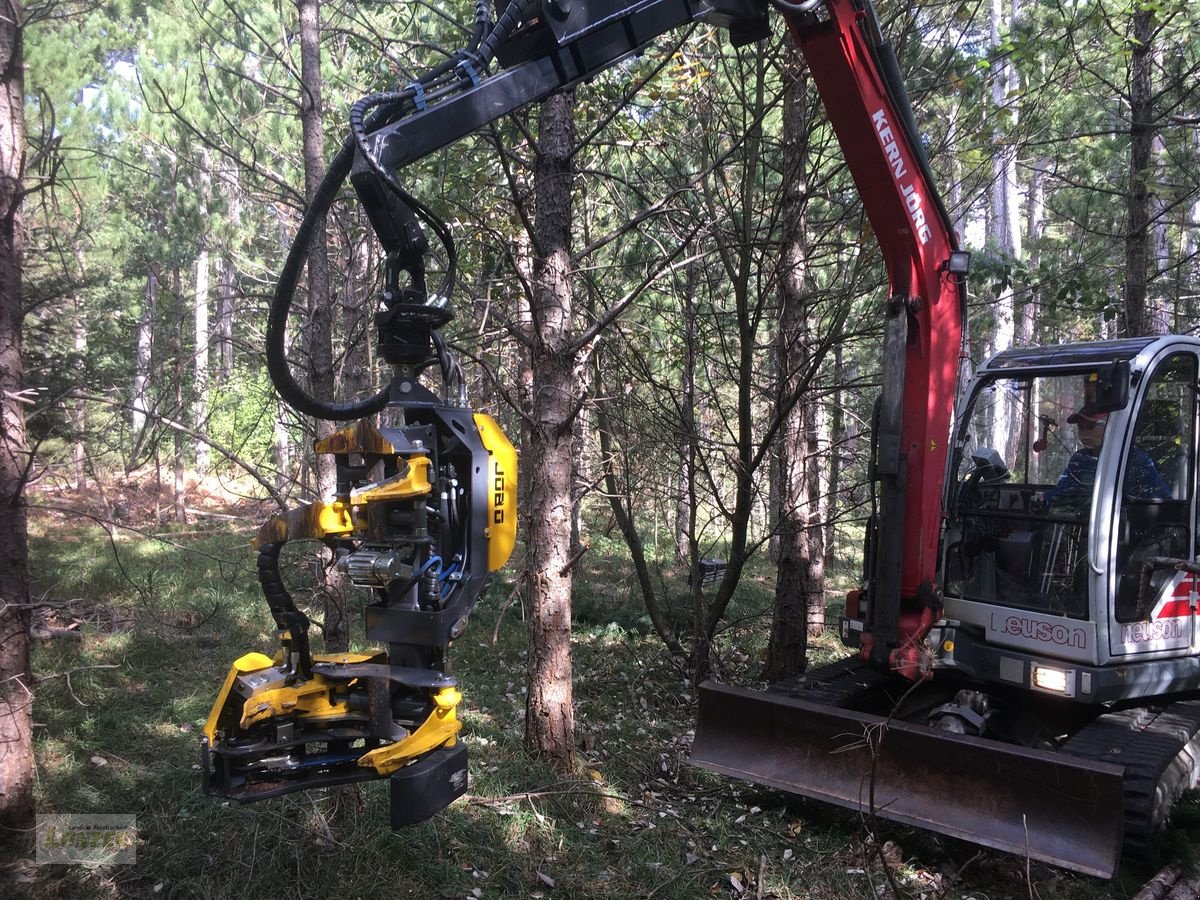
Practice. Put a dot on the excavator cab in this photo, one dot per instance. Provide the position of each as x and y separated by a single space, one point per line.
1022 493
1021 496
1069 506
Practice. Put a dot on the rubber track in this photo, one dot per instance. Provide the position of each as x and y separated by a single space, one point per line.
1144 740
836 684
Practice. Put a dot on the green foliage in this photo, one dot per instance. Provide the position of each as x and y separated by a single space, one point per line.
176 129
243 415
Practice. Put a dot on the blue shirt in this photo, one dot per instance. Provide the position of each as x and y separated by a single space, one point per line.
1142 481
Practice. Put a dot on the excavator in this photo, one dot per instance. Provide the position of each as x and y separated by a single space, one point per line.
1024 652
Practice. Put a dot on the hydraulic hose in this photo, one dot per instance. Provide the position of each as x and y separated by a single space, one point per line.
480 49
283 608
290 391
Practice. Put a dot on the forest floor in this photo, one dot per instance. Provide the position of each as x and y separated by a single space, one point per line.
161 613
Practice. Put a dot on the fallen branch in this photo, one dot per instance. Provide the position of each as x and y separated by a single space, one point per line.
66 676
69 672
216 515
46 633
1158 886
583 790
503 609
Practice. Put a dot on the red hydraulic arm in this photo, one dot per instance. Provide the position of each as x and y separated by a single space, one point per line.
858 78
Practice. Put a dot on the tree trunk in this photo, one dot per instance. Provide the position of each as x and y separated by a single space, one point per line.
620 502
1034 224
1160 310
549 709
16 683
958 208
581 477
800 581
775 375
226 288
1004 222
820 464
200 332
354 311
79 407
1004 219
1189 269
685 509
740 260
142 361
688 545
227 272
281 449
320 300
837 446
178 485
282 443
200 370
1141 142
523 257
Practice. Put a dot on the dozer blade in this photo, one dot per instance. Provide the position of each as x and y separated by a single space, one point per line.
1049 806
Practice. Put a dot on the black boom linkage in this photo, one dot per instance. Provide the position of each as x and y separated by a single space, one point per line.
547 46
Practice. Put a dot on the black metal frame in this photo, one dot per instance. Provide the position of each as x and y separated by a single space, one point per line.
586 53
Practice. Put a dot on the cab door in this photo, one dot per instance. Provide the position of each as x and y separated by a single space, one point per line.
1156 516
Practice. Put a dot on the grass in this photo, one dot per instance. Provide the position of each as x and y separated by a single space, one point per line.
635 820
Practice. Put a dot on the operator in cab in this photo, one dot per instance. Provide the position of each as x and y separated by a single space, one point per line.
1073 492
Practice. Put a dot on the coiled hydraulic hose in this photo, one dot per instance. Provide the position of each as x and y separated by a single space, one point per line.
443 78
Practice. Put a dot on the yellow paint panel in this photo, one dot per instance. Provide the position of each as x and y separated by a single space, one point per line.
313 520
309 700
334 518
251 662
439 730
413 482
502 491
361 437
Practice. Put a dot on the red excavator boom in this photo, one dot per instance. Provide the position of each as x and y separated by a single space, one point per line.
858 78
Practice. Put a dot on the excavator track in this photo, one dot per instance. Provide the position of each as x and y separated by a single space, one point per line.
1160 750
843 683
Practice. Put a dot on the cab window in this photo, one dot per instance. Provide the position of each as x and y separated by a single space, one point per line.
1157 482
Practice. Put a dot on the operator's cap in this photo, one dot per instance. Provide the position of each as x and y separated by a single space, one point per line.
1087 416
